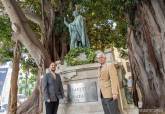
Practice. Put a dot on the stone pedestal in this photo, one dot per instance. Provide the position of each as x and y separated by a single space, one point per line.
81 88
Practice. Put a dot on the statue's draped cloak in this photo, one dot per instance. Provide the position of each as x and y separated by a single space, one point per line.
77 27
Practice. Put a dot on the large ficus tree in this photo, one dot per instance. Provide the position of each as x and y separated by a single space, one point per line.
43 48
146 43
143 18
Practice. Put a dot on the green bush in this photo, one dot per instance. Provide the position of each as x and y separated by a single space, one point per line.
71 57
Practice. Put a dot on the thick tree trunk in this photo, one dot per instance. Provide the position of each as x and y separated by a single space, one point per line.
12 105
54 39
147 52
48 20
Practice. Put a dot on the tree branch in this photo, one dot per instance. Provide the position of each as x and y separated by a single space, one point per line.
25 34
33 17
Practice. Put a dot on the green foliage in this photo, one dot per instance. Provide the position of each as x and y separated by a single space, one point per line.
118 36
6 51
103 14
29 71
31 5
29 64
5 29
26 84
96 12
59 26
72 57
99 12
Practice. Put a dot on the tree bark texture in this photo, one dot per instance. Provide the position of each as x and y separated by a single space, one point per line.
54 41
12 104
146 45
24 33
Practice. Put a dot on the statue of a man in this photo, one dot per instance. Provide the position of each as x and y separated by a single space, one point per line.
77 31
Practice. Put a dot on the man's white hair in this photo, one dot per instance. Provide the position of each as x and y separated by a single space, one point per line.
100 54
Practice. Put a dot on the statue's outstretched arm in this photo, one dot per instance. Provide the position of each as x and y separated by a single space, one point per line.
65 22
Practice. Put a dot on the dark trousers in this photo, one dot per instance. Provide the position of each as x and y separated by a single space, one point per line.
51 107
110 106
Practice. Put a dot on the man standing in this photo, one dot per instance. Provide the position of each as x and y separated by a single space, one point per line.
108 83
52 90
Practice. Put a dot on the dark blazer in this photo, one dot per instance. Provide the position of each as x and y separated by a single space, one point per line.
52 88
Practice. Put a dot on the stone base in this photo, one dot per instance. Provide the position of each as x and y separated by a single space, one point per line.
81 82
81 108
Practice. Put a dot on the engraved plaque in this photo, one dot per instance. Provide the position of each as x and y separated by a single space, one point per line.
82 92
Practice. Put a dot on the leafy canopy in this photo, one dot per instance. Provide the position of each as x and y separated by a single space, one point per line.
6 45
101 16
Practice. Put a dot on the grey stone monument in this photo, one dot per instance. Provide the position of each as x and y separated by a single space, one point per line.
81 88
